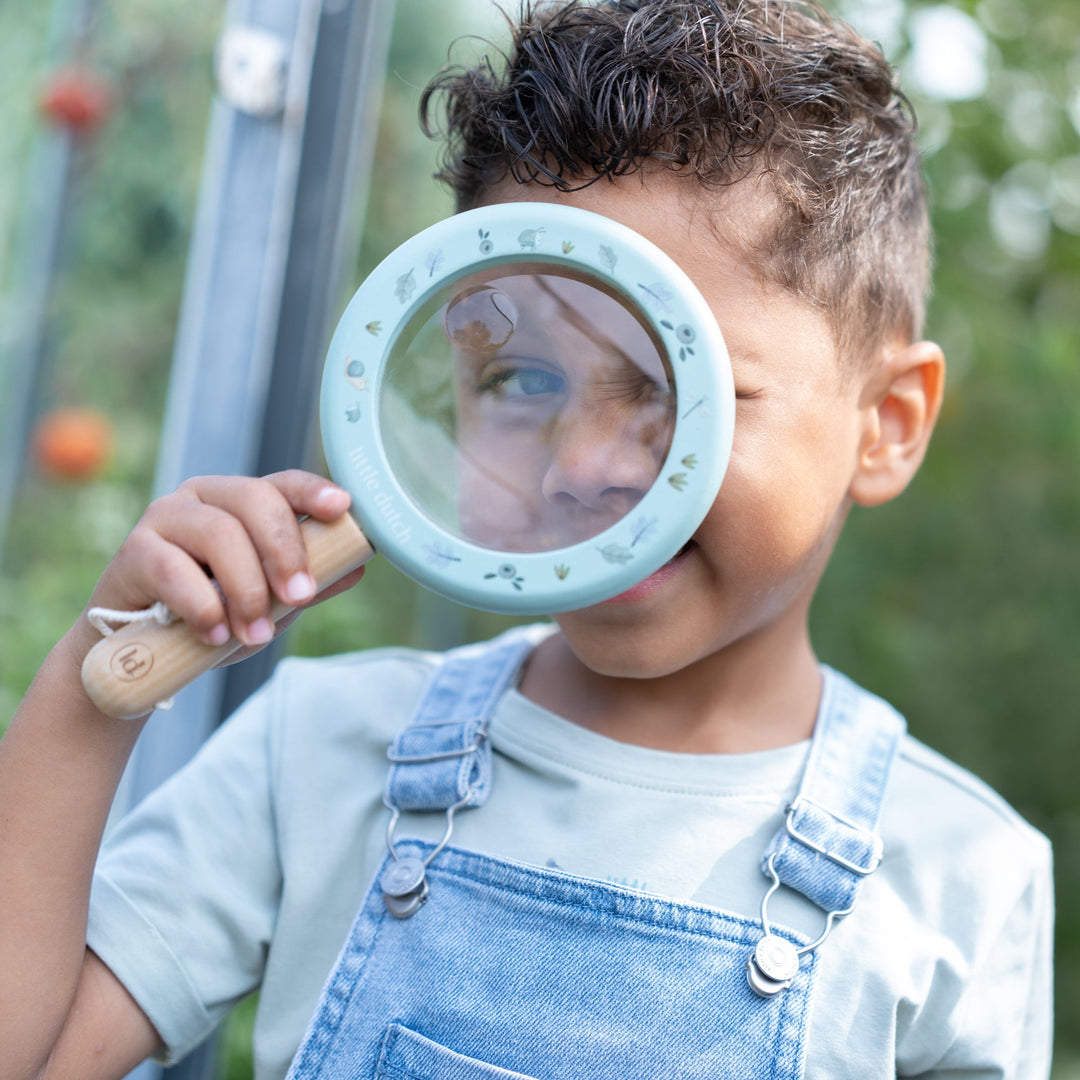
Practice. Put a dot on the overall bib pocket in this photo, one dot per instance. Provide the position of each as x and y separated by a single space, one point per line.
405 1055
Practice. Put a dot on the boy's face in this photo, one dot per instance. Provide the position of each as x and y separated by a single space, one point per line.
754 563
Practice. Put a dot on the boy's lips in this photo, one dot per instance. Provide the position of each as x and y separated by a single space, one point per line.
657 579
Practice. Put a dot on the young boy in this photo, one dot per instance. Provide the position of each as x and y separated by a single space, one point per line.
700 854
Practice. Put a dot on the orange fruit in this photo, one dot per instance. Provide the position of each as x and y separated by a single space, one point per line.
77 99
72 444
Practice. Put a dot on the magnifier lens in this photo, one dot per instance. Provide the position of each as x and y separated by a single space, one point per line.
526 407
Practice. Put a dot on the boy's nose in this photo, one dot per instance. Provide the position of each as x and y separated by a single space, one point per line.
603 463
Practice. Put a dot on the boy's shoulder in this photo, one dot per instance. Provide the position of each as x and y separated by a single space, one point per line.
951 829
954 783
328 670
928 790
381 684
373 691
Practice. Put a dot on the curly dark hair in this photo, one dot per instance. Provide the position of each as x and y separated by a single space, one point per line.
719 90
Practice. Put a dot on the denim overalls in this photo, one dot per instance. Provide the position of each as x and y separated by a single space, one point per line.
460 966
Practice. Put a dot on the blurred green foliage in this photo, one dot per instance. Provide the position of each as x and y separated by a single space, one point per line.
960 602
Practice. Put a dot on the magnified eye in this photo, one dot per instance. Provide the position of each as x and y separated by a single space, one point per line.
522 382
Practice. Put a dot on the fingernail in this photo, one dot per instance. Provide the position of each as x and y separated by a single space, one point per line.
218 636
299 587
333 496
260 632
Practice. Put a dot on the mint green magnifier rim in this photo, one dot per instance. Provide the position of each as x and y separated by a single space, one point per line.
565 578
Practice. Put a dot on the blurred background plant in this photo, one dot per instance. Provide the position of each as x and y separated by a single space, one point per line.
960 602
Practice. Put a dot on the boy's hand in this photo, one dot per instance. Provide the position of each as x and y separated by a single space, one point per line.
238 531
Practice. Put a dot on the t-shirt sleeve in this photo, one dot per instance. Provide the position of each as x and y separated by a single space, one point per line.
187 887
1003 1019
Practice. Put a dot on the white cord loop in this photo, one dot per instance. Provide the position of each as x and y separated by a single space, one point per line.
106 620
101 618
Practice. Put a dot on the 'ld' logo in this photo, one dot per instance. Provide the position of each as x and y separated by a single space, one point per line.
131 662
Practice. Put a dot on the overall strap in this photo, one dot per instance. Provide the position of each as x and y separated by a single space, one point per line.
442 758
829 842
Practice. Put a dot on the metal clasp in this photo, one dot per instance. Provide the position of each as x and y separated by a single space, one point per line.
877 848
442 755
774 963
404 883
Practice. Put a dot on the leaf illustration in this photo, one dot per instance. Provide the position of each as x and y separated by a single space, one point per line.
616 553
405 287
678 481
657 296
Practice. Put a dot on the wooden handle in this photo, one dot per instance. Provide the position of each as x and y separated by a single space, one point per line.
129 672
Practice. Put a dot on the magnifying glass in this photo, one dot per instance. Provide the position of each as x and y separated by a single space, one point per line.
532 408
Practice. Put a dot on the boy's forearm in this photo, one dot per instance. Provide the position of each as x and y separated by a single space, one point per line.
60 764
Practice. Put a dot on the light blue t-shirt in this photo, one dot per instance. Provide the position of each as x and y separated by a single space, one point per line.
247 868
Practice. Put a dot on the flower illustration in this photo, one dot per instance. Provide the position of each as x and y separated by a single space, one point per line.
508 572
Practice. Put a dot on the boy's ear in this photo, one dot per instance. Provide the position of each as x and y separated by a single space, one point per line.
900 404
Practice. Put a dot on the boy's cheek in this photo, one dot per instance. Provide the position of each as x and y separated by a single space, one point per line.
774 507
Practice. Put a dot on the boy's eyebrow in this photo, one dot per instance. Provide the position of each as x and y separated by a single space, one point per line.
746 354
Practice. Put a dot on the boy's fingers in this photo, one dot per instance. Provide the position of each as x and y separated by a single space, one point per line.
310 494
241 531
209 536
283 624
166 572
266 509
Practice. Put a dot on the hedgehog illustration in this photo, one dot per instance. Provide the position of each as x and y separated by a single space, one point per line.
529 238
